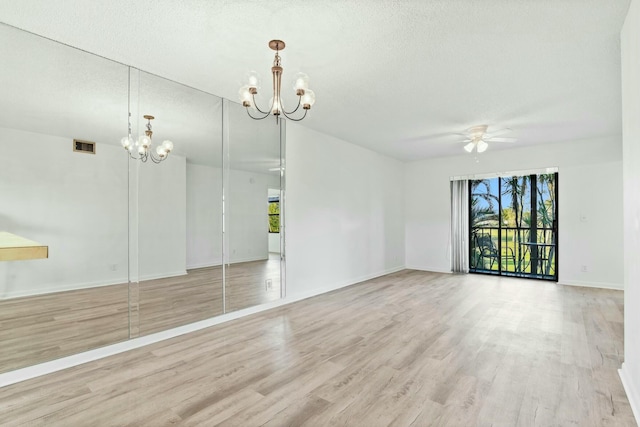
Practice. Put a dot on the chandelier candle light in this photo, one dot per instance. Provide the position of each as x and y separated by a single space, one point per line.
306 97
143 145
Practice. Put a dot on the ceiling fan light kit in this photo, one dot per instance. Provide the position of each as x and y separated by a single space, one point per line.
481 146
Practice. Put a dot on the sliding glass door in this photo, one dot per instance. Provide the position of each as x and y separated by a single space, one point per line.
513 226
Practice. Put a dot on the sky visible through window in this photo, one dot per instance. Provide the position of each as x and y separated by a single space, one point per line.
486 198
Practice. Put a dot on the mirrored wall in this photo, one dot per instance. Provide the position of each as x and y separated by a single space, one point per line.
252 189
179 205
98 246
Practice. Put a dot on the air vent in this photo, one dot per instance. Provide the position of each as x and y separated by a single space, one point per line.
84 146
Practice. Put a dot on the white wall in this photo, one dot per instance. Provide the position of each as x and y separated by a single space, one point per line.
162 200
586 169
630 372
75 203
204 216
247 215
274 242
344 212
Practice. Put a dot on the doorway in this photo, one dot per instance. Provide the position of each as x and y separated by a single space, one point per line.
513 226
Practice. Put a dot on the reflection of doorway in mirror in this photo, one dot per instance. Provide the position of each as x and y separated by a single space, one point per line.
273 197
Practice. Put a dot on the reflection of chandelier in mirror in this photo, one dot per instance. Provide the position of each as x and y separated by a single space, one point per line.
143 145
306 97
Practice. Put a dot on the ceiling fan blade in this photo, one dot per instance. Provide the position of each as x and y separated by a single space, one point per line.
500 139
497 132
466 140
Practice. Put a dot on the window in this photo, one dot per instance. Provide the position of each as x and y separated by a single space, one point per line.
274 214
513 226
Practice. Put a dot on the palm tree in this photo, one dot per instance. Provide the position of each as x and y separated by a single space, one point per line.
483 214
547 213
516 188
516 191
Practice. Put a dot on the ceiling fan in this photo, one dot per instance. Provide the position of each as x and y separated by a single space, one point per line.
478 138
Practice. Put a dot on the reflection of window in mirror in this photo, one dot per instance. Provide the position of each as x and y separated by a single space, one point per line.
273 197
274 214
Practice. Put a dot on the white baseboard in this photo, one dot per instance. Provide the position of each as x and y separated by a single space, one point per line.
204 265
89 285
602 285
163 275
63 288
249 259
431 269
235 261
30 372
631 390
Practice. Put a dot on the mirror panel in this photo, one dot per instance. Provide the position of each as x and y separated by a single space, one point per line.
74 203
252 215
179 204
131 248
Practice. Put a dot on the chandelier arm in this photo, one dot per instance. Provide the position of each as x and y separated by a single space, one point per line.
258 108
154 160
297 107
296 120
157 160
144 157
257 118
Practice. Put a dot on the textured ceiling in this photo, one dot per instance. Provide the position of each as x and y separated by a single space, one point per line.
398 77
54 89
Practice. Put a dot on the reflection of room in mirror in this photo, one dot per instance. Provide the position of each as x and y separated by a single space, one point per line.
250 265
179 206
175 301
38 328
252 283
133 248
273 199
76 299
252 261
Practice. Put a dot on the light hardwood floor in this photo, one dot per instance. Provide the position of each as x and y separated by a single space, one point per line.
40 328
176 301
407 349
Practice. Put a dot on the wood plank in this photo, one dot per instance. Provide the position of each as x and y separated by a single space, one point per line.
408 349
39 328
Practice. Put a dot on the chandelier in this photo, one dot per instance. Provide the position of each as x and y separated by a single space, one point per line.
306 97
141 149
